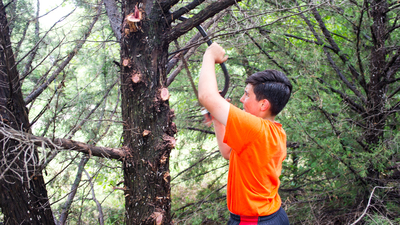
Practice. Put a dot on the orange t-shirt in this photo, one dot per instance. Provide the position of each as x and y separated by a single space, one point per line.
255 163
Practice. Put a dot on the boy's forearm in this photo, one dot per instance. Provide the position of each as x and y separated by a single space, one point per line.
224 149
208 92
207 81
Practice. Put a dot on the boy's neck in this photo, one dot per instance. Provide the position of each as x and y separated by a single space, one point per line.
270 118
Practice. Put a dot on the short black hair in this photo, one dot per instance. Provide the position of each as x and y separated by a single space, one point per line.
272 85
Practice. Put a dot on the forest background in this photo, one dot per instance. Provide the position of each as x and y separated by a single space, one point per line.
80 108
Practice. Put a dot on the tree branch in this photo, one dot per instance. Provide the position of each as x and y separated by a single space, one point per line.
185 9
114 16
167 4
74 188
358 51
201 130
197 19
36 93
65 105
80 124
23 76
188 72
40 41
369 202
344 58
60 143
194 164
101 217
393 65
31 57
356 107
21 40
394 92
334 155
191 47
309 41
266 53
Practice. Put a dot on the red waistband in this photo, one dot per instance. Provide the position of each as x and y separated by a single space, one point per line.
247 220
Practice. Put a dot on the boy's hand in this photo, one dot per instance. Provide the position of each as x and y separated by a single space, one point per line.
216 52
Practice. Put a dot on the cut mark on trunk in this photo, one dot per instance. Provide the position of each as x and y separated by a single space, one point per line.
133 20
166 177
146 132
126 62
157 217
136 77
164 94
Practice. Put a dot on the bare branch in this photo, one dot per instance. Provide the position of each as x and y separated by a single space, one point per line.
25 74
65 144
188 72
167 4
191 47
197 19
369 203
394 108
193 165
74 188
101 217
201 130
112 115
185 9
114 16
65 105
37 92
80 124
204 200
308 41
31 57
40 41
21 40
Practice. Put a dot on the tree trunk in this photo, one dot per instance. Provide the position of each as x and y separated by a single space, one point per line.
148 128
23 196
377 86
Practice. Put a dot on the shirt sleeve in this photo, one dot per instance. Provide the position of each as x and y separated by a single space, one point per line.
241 128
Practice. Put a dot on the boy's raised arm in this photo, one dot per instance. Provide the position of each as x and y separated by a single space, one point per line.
209 95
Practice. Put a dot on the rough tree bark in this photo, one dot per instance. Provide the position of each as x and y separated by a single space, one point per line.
377 87
149 130
23 195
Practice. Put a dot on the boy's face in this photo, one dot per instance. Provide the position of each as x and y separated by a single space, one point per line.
250 103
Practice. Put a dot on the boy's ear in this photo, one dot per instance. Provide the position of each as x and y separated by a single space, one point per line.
265 105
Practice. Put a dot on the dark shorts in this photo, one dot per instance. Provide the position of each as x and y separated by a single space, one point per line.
279 217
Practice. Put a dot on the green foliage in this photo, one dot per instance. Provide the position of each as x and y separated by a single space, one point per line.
330 167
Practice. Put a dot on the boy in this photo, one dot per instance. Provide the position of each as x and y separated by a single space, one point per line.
251 140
